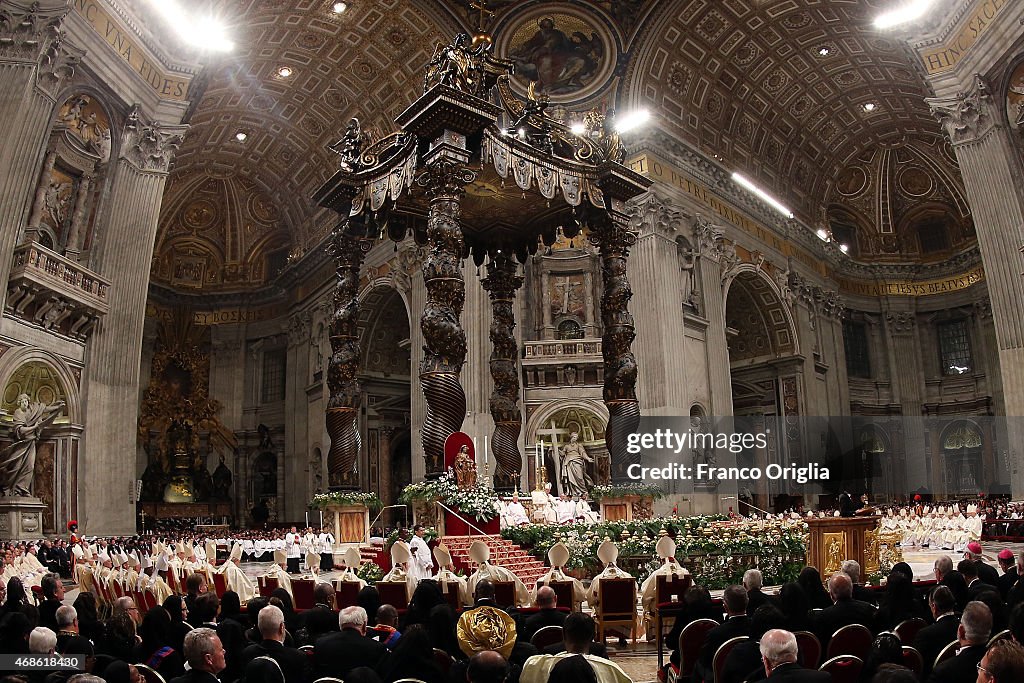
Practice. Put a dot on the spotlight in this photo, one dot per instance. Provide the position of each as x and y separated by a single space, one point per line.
631 120
870 107
241 136
822 234
844 248
770 200
578 129
284 71
824 51
339 7
909 12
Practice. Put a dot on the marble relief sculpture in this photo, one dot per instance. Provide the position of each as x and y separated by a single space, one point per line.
17 461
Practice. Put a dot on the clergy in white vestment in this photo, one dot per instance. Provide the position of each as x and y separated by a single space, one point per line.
235 579
446 574
277 571
666 549
608 553
515 513
584 513
480 553
313 562
400 556
975 524
325 546
421 565
293 547
558 555
543 510
352 561
565 510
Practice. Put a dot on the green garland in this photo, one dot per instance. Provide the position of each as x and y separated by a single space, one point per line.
323 500
715 549
622 490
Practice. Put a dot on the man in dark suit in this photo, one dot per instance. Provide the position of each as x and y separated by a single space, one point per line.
778 653
321 619
744 661
972 634
1009 576
844 611
546 615
986 572
205 654
975 586
860 592
752 581
930 640
53 594
336 654
294 664
69 640
736 623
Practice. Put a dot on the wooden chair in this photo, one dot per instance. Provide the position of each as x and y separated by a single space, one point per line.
668 603
947 652
844 668
907 629
410 680
394 593
220 584
913 660
450 590
443 660
302 593
268 584
563 593
1002 635
616 606
691 639
504 593
346 594
808 649
718 661
548 635
852 639
150 675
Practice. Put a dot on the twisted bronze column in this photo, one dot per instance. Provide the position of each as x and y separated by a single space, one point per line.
614 239
343 403
501 283
444 348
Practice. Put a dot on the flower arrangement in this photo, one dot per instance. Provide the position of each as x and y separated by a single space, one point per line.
622 490
714 548
370 500
370 572
478 501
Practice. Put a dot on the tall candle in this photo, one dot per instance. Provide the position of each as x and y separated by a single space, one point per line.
485 450
307 519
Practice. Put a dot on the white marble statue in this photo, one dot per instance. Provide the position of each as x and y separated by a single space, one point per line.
18 460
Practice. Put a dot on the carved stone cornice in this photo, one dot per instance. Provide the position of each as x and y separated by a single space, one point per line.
148 145
28 31
708 237
983 309
901 322
967 116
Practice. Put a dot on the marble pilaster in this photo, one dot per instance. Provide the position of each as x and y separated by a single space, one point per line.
112 357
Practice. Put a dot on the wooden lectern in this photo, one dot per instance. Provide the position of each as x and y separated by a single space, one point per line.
834 539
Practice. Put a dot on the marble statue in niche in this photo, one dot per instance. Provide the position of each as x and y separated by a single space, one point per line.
17 461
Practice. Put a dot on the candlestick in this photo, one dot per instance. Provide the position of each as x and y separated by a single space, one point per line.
485 450
307 520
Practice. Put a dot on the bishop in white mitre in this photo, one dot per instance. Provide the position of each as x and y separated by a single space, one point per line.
480 553
351 561
400 556
235 579
670 567
446 576
558 555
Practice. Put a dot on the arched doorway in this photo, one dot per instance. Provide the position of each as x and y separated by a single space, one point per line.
963 471
765 375
385 375
553 428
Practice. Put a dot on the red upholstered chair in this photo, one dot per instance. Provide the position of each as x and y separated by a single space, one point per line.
908 628
394 593
1002 635
718 662
668 603
346 594
443 661
268 584
549 635
220 584
844 668
913 660
852 639
450 590
302 593
504 593
148 599
690 642
563 591
616 606
947 652
808 649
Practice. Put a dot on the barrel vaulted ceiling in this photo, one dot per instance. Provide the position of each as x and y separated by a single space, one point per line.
774 88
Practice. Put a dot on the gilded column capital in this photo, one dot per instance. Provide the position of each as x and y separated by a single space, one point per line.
968 115
148 145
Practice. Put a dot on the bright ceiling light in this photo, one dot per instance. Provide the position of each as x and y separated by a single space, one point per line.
578 129
772 201
206 32
870 106
632 120
844 248
822 233
824 51
909 11
339 7
284 71
241 136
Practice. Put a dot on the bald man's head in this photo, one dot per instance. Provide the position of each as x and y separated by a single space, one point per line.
546 597
487 667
